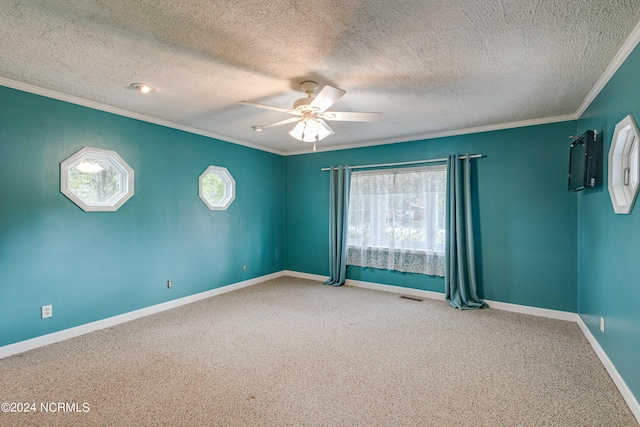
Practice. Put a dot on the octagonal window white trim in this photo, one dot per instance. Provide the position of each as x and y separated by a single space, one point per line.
96 180
217 188
624 166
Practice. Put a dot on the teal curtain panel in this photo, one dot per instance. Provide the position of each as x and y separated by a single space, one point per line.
460 285
339 181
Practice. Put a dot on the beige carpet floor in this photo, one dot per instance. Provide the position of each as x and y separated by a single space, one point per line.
293 352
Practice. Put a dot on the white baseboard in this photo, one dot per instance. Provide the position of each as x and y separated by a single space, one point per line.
524 309
65 334
308 276
628 396
396 289
534 311
33 343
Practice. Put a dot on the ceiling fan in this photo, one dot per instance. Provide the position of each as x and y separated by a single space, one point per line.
311 113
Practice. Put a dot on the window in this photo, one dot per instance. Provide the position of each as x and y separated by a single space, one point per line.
217 188
624 163
397 219
96 180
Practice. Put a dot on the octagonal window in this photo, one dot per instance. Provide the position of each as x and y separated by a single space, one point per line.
96 180
624 166
217 188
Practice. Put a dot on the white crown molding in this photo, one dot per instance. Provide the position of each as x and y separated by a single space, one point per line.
48 93
433 135
25 87
622 54
628 396
618 60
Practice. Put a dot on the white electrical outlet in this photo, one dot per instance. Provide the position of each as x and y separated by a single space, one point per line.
169 284
47 311
602 324
244 267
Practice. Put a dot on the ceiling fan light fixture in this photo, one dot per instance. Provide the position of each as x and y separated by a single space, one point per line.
318 129
298 131
311 130
309 137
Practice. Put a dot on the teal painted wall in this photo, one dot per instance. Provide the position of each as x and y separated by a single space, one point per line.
525 219
609 244
537 244
95 265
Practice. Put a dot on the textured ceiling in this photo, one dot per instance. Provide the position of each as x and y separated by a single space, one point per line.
430 66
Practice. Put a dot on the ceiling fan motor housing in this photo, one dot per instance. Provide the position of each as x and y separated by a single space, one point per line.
309 87
302 102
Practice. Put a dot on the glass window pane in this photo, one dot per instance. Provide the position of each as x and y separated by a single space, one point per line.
217 188
96 179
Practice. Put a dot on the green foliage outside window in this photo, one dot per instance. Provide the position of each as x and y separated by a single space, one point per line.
95 187
213 188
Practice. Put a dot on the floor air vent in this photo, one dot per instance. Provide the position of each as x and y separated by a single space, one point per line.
411 298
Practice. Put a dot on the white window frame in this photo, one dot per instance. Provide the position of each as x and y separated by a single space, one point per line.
624 166
229 188
126 178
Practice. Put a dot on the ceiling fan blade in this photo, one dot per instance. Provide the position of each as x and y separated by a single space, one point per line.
347 116
270 107
280 123
327 97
